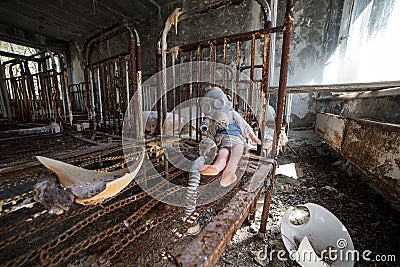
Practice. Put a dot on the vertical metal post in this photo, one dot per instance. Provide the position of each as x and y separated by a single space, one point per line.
250 94
280 106
6 95
264 92
199 93
56 88
224 67
191 93
180 94
237 87
25 115
159 91
174 92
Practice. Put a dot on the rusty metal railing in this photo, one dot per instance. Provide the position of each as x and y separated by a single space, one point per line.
112 61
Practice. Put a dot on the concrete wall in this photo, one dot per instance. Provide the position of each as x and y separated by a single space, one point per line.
315 35
380 107
74 63
216 23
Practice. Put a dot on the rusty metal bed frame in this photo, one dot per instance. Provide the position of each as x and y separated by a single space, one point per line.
112 77
195 50
207 247
37 88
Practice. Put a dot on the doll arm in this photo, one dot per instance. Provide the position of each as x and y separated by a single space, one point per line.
245 128
254 138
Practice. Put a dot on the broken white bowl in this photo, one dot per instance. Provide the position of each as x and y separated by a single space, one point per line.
318 231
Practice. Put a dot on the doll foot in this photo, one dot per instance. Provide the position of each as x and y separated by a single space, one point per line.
208 170
228 179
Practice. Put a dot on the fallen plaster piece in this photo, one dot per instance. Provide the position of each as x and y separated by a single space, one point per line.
89 187
287 170
305 248
323 230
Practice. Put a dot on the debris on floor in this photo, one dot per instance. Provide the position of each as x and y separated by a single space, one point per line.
370 215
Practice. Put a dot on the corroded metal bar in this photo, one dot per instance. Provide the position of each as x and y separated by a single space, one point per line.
371 146
264 92
207 247
95 103
180 94
289 17
191 92
113 99
159 92
66 88
5 93
340 88
56 89
233 38
224 67
213 52
174 92
117 95
252 59
24 95
237 85
199 93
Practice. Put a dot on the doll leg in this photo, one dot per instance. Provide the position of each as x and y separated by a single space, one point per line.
219 163
229 174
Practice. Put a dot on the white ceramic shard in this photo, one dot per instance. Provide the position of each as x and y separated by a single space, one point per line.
306 255
89 186
323 230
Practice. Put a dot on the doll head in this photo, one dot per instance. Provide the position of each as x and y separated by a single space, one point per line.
216 106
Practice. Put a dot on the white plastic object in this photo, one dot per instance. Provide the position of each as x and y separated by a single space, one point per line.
323 232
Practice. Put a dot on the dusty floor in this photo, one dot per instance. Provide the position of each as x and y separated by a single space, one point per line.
370 215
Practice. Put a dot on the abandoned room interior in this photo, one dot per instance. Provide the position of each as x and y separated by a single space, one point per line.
199 133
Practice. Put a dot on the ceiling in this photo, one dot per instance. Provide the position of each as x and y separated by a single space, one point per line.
65 20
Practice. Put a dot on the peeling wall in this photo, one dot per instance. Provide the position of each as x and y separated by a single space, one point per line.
74 63
315 36
303 107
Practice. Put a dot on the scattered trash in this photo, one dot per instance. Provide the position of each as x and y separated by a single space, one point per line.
330 188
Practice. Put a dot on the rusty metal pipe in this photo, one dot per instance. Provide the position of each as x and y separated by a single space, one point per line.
6 95
236 93
281 103
159 91
240 37
339 88
264 92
